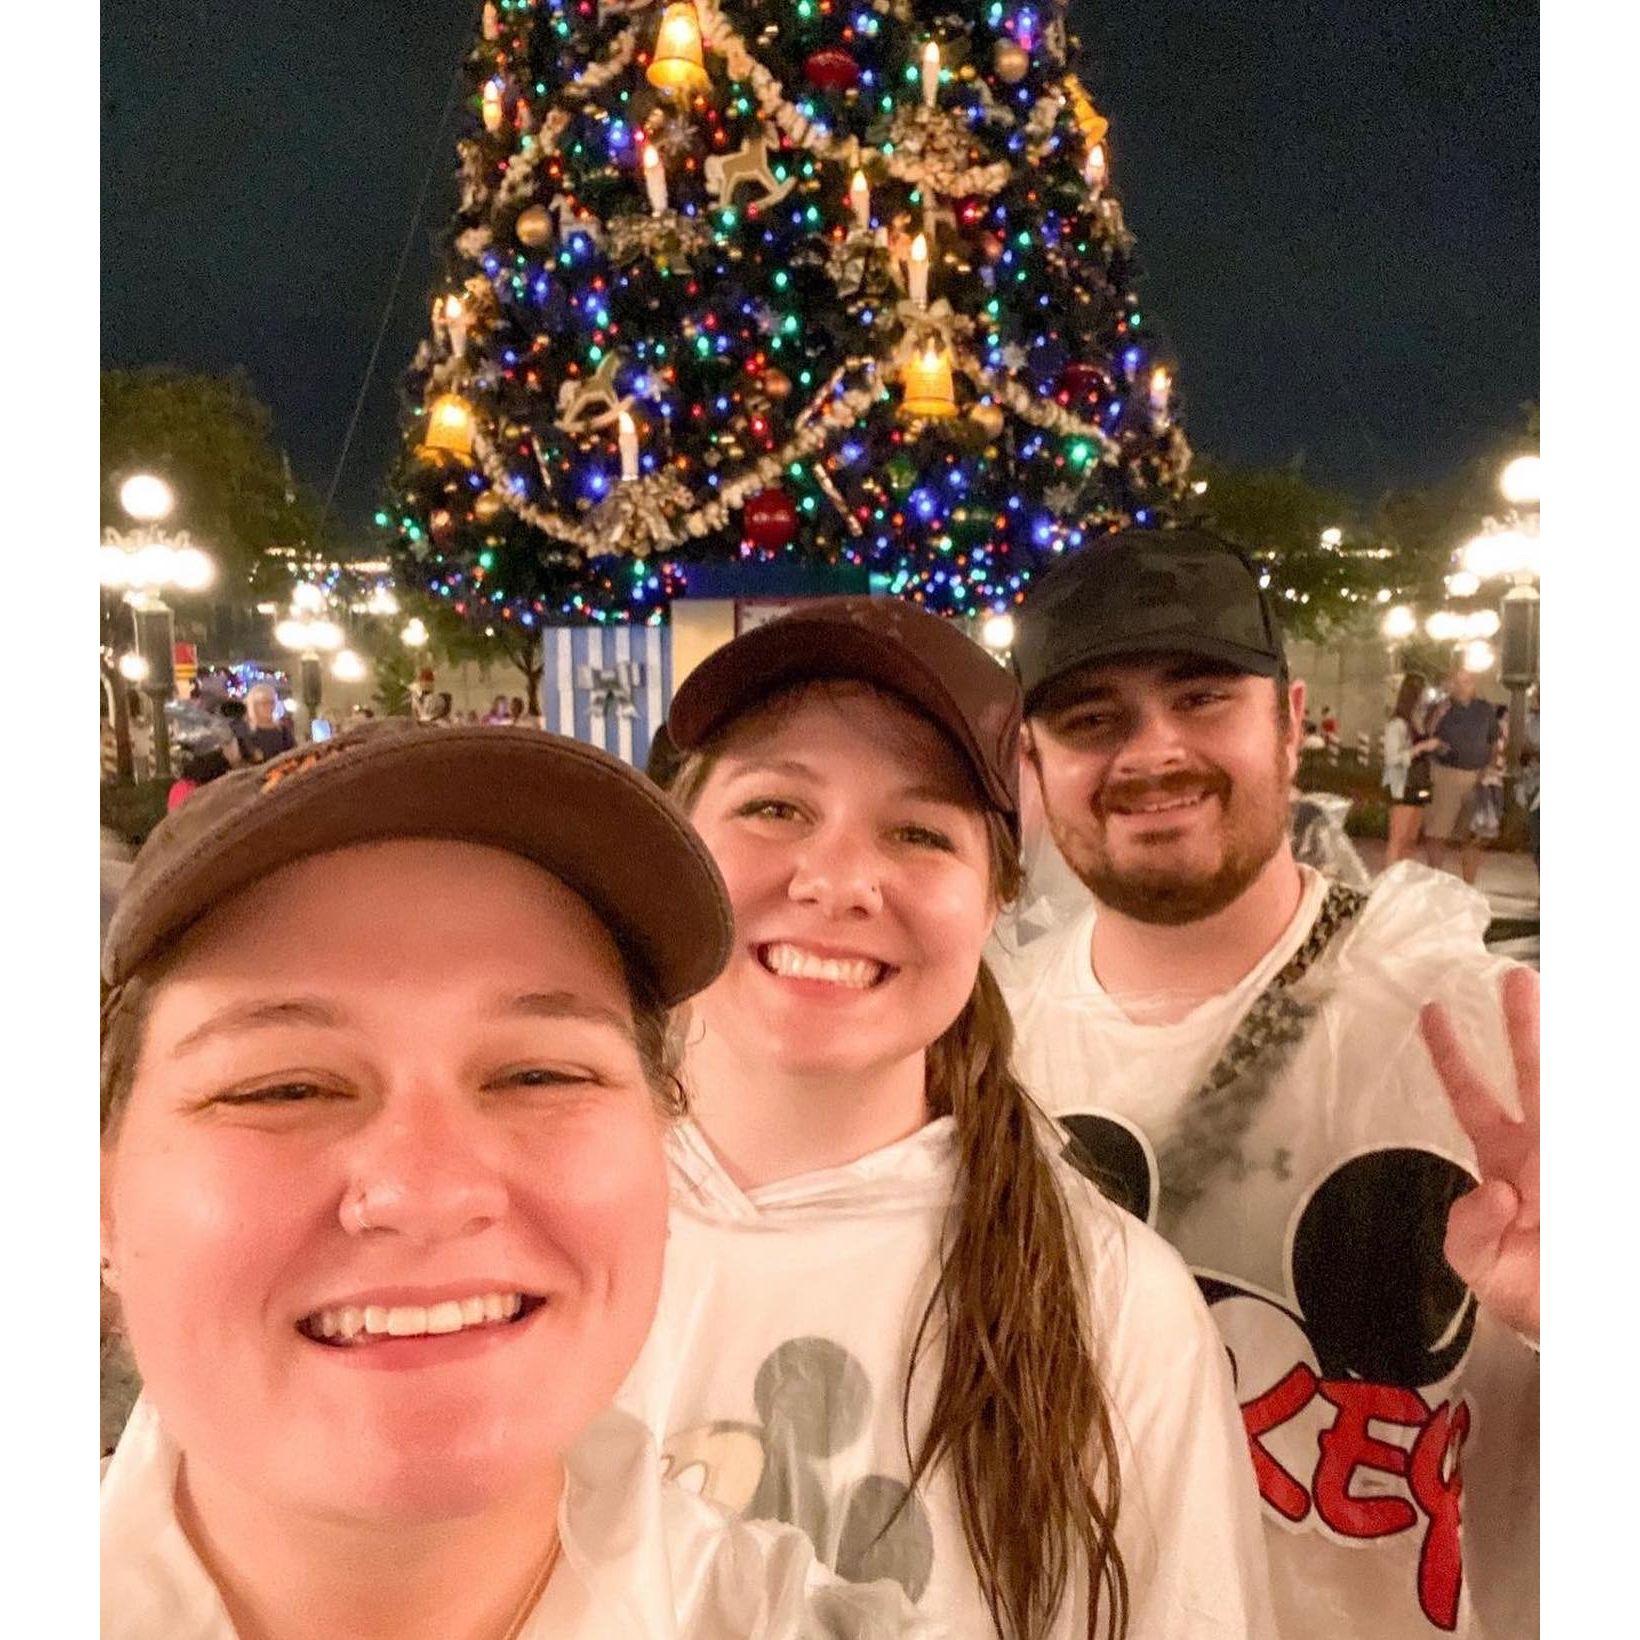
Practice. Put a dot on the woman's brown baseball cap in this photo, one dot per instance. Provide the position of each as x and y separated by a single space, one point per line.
928 661
597 825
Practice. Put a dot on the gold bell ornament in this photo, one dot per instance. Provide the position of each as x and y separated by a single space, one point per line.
929 391
678 67
450 429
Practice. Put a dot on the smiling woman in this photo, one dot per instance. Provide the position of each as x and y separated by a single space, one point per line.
892 1314
384 1088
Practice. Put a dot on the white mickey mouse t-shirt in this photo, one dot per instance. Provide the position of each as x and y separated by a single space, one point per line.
774 1373
1393 1428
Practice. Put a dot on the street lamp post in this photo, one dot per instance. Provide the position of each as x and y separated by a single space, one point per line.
1508 549
309 634
141 563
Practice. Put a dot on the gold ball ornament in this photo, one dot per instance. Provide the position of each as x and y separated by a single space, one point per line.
1013 61
988 418
534 227
487 507
777 384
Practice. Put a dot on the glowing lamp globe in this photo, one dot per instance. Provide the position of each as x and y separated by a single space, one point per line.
450 429
1501 552
1399 623
348 667
678 67
1463 583
146 498
154 565
1519 482
191 570
133 668
1446 626
114 567
1479 656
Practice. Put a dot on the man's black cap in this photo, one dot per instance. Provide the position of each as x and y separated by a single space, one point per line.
1146 592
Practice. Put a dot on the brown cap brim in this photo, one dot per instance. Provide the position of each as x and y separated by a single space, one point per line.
597 825
796 648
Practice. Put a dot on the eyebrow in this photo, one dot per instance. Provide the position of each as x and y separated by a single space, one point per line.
242 1018
260 1016
565 1005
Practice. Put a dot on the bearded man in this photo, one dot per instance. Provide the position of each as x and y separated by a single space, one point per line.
1326 1099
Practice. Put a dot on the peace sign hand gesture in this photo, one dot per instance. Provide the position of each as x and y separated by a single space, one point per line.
1492 1232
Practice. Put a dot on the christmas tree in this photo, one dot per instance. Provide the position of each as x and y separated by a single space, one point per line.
840 279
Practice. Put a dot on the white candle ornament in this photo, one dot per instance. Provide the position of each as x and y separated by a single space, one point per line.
919 270
1093 170
654 179
455 321
629 446
859 197
1161 389
930 73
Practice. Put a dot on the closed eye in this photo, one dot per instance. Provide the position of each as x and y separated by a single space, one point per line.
926 837
767 808
540 1076
278 1093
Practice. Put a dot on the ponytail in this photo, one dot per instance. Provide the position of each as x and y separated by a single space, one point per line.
1019 1415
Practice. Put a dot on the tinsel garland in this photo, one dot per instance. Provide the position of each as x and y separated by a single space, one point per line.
640 506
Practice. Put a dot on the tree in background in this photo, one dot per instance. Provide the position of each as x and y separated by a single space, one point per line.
1325 567
847 287
212 440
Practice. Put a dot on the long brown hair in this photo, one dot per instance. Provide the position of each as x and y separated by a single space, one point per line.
1020 1417
1407 698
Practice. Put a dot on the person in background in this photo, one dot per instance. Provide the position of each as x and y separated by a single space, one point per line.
1329 732
1467 728
1487 800
1531 774
266 731
516 710
500 711
1406 769
1326 1100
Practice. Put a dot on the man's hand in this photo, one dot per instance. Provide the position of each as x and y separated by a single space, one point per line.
1492 1232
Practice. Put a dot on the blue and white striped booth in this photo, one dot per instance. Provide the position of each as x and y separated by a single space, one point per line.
607 685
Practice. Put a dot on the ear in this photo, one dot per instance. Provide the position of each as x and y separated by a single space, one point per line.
1295 704
107 1240
1295 725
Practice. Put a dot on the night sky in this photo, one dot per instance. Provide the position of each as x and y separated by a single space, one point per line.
1336 203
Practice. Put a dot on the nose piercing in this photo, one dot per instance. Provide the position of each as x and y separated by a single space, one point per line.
360 1207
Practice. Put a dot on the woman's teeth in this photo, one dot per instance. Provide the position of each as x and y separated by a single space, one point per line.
374 1322
791 962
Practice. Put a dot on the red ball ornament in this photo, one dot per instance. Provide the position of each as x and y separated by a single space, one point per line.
771 519
1081 381
832 70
